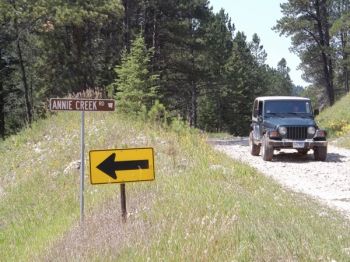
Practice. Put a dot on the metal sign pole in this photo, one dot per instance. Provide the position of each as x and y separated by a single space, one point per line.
123 202
82 168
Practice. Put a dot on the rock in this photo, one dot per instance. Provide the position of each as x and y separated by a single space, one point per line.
74 165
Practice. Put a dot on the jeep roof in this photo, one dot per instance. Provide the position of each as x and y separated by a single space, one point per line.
263 98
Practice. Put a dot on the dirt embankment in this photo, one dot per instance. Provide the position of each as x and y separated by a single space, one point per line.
328 181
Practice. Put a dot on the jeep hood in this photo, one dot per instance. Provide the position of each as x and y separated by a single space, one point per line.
273 122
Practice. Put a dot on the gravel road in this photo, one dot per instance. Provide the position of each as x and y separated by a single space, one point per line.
328 181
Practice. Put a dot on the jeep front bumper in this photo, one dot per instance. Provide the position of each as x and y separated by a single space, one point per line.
297 144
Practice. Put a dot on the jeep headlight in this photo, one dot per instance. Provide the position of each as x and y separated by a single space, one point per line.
311 130
282 130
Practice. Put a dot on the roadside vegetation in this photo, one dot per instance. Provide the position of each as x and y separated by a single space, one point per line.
336 120
202 206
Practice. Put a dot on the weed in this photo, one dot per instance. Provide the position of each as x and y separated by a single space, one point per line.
336 120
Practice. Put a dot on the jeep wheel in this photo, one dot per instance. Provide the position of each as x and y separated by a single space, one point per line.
254 149
320 153
303 151
267 150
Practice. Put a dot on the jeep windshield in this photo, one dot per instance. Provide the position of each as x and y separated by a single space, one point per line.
287 107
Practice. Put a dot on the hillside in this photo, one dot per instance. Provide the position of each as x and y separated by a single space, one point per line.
336 120
202 205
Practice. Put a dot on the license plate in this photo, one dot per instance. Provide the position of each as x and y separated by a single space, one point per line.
299 144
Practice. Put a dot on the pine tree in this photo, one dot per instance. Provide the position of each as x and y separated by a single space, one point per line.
218 42
240 70
135 86
258 50
308 22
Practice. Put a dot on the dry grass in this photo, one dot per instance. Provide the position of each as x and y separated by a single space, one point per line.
103 231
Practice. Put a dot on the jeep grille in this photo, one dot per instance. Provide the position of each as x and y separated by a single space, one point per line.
297 132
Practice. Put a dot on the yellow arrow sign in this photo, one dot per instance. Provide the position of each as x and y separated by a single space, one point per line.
121 165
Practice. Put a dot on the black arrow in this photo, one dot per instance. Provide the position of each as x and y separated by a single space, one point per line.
109 165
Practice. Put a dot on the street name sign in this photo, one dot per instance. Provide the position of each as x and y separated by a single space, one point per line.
121 165
76 104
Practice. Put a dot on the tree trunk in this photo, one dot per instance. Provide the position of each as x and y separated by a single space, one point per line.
2 111
323 31
343 38
2 100
220 115
24 77
126 25
346 79
157 63
193 112
346 52
154 32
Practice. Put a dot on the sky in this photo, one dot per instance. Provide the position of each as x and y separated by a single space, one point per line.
259 16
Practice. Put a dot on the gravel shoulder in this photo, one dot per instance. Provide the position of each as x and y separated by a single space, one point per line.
328 182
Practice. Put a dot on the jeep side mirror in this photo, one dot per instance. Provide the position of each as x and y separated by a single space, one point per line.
316 112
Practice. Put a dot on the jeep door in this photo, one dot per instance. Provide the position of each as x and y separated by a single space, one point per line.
257 119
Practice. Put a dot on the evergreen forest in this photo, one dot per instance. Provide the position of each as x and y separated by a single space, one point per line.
163 59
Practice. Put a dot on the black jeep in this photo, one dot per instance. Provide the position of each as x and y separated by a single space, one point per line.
285 122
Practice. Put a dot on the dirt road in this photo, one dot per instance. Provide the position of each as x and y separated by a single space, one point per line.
328 181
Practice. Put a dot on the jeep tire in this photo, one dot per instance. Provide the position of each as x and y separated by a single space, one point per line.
254 149
267 150
320 153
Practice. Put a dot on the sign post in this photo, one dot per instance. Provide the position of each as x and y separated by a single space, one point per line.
76 104
123 202
82 166
121 166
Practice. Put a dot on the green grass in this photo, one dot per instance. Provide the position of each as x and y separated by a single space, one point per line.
202 206
336 120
